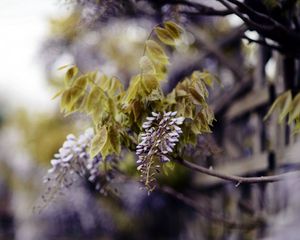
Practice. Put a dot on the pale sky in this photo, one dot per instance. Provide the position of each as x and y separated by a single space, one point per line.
23 26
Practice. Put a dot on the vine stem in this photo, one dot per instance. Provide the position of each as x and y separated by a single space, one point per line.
236 179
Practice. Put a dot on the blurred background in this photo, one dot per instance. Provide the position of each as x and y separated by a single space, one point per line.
37 37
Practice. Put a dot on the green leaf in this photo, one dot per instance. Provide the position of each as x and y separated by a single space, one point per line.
168 167
66 100
296 129
149 83
171 98
165 36
99 142
60 92
71 72
161 70
81 82
156 52
133 89
199 86
137 108
93 98
173 29
285 107
294 109
196 98
77 105
64 66
70 97
282 102
208 115
114 138
200 124
147 66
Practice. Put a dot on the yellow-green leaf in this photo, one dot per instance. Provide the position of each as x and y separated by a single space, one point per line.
173 29
281 101
64 66
294 109
168 167
196 97
114 138
147 66
92 99
285 107
208 115
137 110
71 72
60 92
165 36
133 89
149 83
156 52
99 142
81 82
66 100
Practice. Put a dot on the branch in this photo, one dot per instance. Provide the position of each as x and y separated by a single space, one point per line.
248 21
203 211
262 16
201 9
236 179
287 38
212 216
264 43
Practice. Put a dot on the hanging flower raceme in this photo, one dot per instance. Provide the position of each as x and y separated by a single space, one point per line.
72 161
161 134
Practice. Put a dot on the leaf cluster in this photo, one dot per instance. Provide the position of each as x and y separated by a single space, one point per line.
286 105
118 113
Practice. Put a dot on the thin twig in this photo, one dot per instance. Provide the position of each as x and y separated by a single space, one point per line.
202 9
258 221
236 179
248 21
212 216
264 43
249 10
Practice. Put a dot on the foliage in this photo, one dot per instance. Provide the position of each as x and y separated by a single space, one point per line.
287 106
118 114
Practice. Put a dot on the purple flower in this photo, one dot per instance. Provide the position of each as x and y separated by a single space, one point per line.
161 134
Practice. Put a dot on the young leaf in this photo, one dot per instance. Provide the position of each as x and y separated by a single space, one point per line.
165 36
285 106
71 72
81 82
93 98
156 52
136 108
173 29
114 138
133 89
63 67
296 129
66 99
60 92
98 142
147 66
149 83
168 167
279 103
294 109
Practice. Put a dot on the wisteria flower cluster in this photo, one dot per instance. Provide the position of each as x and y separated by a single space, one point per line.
73 161
161 134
